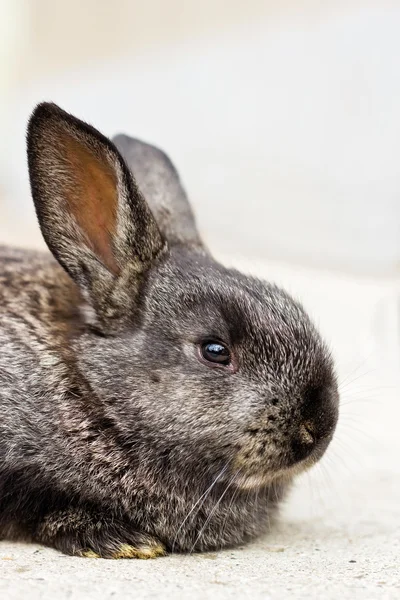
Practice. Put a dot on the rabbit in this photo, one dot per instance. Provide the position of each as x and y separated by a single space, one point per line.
152 400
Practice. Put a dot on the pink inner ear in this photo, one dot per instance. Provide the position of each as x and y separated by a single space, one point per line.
92 197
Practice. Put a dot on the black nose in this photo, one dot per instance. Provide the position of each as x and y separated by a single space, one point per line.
321 408
304 441
318 421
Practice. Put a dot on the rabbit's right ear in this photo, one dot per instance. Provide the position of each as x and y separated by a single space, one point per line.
91 212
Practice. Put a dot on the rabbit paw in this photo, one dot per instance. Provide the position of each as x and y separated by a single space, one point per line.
127 551
88 535
144 552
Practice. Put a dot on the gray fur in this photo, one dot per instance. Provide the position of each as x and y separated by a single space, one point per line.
114 438
159 182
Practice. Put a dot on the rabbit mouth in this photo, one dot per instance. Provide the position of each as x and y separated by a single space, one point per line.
263 478
268 454
256 467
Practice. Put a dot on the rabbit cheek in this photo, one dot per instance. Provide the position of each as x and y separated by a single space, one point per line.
261 454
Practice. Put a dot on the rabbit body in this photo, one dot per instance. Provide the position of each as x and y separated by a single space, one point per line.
151 399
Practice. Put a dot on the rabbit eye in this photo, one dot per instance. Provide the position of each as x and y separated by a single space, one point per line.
215 352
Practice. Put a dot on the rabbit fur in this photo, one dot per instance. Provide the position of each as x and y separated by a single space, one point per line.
117 438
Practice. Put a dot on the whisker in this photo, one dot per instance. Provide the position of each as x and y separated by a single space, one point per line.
213 510
268 503
350 427
342 386
349 454
353 371
234 496
360 398
310 491
200 501
319 473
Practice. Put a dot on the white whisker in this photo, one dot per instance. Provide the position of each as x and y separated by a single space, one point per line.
213 510
200 500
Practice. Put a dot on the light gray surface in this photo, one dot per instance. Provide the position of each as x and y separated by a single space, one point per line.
346 509
303 558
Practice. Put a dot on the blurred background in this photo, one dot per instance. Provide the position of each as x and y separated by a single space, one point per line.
283 118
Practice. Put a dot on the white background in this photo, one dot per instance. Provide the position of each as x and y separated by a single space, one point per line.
282 117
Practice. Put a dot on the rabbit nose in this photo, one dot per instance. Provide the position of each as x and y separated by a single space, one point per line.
304 441
307 433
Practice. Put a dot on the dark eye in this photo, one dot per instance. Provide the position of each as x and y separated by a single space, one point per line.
215 352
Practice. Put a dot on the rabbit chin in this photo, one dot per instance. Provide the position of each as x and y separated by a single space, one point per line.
284 475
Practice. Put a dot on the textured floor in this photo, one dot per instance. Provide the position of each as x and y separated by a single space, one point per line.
348 549
339 535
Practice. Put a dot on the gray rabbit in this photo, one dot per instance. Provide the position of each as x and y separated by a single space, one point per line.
151 399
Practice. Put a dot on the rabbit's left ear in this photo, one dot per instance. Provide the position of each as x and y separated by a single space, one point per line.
160 183
91 212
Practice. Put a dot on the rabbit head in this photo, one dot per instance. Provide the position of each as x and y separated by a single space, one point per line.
197 365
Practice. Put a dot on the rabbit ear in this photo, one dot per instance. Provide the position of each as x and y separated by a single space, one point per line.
160 184
90 210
